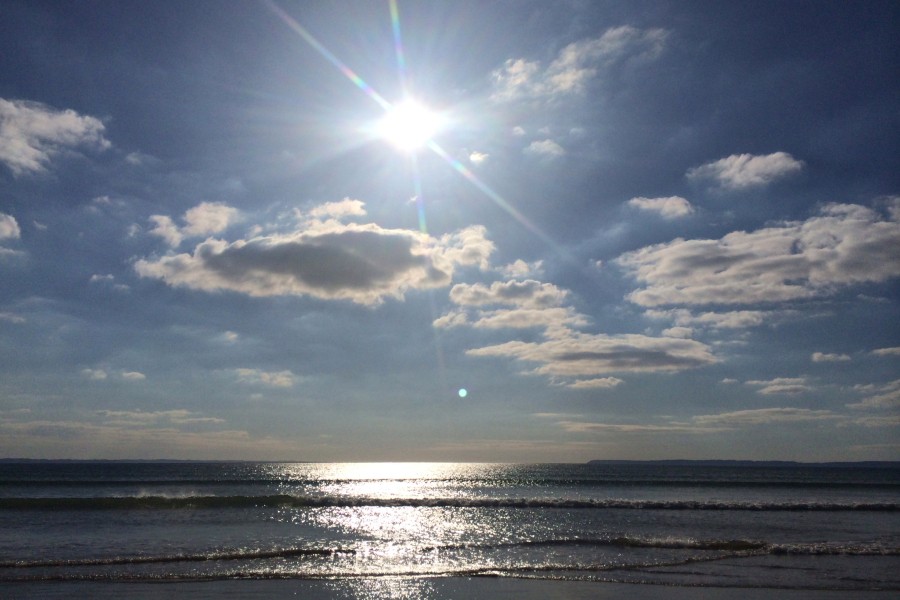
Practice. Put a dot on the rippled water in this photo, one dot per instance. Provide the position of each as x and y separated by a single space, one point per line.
785 527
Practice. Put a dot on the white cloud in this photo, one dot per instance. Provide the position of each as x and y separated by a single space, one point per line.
895 351
528 293
208 217
282 379
712 423
844 245
671 207
550 319
476 158
95 374
166 228
347 207
140 418
32 133
108 280
575 65
80 439
534 304
586 427
736 319
678 332
740 171
827 357
886 396
578 354
9 227
781 385
11 318
203 219
229 337
883 421
451 319
598 383
520 268
133 376
547 148
139 158
766 416
326 259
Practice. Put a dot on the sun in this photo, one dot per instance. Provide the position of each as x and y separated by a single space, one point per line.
409 125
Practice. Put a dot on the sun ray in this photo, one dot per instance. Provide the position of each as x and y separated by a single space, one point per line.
334 60
398 44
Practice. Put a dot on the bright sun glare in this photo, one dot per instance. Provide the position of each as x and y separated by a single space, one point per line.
409 125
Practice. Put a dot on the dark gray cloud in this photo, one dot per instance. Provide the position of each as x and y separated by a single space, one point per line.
324 259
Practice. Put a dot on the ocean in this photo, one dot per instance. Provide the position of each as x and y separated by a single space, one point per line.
793 527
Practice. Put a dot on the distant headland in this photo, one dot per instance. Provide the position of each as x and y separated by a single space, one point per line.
867 464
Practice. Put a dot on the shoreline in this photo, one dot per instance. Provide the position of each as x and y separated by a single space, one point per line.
474 588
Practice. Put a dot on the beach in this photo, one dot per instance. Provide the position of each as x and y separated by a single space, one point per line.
470 588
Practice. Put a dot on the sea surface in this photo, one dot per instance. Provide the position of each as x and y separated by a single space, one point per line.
785 527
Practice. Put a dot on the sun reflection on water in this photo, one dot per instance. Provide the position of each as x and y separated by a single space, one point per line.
400 540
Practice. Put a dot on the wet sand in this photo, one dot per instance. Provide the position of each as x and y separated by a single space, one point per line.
470 588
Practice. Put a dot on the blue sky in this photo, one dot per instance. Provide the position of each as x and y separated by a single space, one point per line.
637 230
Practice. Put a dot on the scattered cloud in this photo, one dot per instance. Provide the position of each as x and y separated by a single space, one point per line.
827 357
326 259
139 418
766 416
139 158
895 351
521 318
11 317
102 374
94 374
477 158
203 219
740 171
678 332
208 217
598 383
575 65
528 293
586 427
9 227
781 385
347 207
521 269
164 438
671 207
736 319
166 228
846 244
585 355
547 148
32 133
881 421
281 379
108 280
886 396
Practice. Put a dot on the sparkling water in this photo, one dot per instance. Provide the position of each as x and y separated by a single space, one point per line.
787 527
